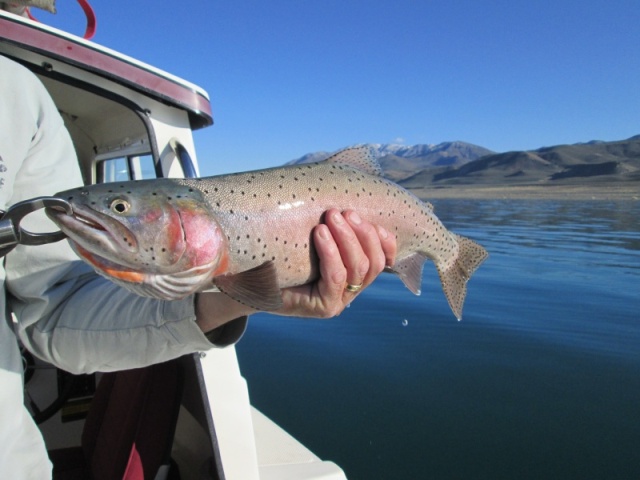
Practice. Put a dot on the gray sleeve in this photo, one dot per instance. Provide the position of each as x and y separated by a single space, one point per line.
63 311
83 323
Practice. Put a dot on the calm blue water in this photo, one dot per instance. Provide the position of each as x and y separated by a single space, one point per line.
541 379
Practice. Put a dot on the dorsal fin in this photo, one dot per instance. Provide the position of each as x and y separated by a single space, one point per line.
357 157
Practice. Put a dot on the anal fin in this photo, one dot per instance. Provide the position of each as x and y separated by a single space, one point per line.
256 288
409 269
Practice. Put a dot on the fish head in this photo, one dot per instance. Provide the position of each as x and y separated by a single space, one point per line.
158 237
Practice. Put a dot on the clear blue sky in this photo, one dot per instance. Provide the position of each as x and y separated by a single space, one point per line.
291 77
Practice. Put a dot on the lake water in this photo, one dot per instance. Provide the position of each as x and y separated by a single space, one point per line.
541 378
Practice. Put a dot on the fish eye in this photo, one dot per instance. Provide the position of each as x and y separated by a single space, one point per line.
120 206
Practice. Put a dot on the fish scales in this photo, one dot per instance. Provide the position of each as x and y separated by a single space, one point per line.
269 215
249 233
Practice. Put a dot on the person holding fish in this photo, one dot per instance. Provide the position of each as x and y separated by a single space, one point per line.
66 314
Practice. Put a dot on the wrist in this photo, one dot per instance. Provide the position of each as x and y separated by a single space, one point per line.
214 310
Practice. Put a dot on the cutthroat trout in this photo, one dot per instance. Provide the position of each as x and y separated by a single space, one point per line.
249 234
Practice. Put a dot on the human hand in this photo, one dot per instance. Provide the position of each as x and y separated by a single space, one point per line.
351 252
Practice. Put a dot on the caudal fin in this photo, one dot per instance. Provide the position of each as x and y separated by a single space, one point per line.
454 279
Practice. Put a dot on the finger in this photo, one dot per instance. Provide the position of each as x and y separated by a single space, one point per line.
353 256
324 298
370 242
389 245
333 273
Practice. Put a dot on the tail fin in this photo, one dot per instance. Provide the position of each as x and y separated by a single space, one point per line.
454 279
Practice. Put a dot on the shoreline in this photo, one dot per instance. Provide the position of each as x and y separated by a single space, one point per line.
616 192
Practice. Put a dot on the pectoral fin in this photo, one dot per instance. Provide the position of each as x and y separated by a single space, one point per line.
256 288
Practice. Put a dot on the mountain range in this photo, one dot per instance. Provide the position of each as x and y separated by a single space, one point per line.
399 162
458 163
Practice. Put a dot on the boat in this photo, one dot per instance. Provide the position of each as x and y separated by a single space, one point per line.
130 121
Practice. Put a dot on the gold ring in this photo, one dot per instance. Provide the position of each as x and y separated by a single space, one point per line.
353 288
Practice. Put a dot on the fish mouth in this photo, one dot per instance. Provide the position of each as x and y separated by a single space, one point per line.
95 232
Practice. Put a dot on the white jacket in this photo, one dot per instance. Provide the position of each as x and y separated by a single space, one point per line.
65 313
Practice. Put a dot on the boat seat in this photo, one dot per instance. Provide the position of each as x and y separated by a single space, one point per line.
129 429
